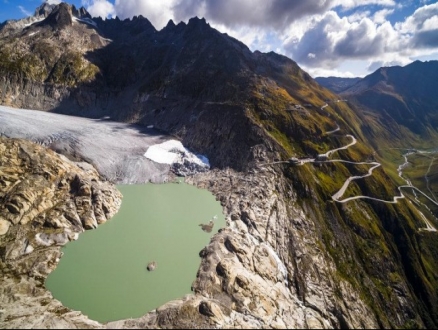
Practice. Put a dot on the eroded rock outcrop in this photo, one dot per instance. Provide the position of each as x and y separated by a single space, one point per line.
46 201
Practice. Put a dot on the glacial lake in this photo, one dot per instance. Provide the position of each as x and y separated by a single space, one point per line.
103 274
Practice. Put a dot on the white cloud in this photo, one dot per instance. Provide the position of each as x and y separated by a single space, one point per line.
379 17
430 24
348 4
157 12
358 16
335 39
421 28
98 8
319 72
277 14
416 22
53 2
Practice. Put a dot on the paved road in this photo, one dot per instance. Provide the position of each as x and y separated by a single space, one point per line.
337 196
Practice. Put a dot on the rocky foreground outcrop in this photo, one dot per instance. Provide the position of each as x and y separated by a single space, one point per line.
45 202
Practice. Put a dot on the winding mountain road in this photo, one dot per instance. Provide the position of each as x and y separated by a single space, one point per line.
337 196
353 142
322 158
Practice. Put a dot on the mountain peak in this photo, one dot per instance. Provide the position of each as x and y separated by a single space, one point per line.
196 21
170 24
44 10
60 17
80 13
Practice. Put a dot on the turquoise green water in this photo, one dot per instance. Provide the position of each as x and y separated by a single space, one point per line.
103 273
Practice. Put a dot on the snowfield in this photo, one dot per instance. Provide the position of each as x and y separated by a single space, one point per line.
164 153
123 153
183 162
172 151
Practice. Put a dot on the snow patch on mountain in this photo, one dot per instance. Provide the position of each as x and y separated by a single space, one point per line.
85 20
182 161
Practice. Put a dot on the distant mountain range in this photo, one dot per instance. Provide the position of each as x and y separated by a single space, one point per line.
311 173
402 99
336 84
405 94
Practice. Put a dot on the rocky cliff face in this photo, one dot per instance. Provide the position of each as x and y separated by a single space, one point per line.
292 256
46 201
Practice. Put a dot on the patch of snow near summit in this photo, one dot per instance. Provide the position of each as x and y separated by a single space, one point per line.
85 20
173 151
33 21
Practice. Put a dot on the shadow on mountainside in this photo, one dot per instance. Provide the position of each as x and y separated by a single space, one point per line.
187 80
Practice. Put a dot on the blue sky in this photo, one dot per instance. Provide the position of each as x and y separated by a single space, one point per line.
331 37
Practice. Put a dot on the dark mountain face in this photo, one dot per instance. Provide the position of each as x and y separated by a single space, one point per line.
244 110
189 70
60 17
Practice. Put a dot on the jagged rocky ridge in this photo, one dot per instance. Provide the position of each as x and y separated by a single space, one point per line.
358 264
